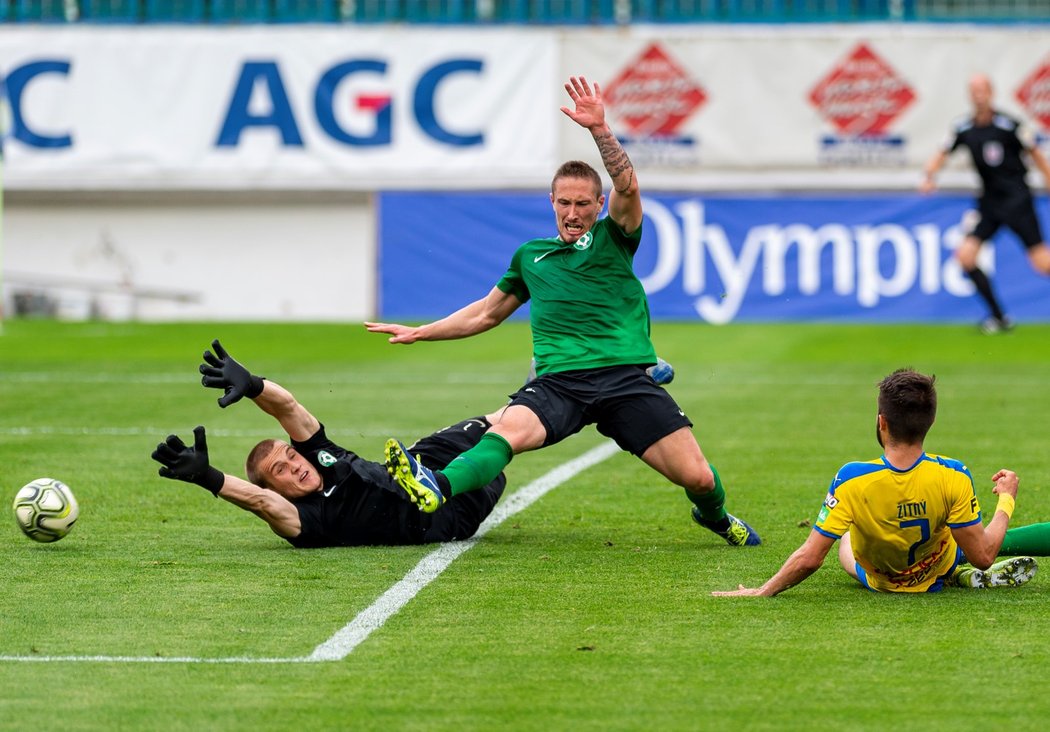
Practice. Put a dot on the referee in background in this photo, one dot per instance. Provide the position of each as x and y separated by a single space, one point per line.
996 144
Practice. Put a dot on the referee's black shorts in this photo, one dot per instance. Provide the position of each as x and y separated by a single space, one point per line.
622 401
1016 214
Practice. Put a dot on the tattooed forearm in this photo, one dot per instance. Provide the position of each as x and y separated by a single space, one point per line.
615 159
630 179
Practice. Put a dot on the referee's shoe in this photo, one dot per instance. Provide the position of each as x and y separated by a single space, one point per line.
993 325
414 478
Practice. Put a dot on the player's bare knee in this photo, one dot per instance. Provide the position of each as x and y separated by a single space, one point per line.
1039 257
966 255
700 480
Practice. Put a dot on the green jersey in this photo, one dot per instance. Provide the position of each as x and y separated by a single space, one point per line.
588 309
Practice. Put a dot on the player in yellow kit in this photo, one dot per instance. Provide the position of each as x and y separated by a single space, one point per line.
897 522
910 520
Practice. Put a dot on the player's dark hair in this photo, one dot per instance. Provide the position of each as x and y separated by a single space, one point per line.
908 403
578 169
251 465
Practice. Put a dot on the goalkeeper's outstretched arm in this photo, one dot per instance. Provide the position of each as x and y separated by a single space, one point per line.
191 464
221 371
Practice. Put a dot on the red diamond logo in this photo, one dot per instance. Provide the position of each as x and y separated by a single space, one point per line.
653 95
1034 94
862 95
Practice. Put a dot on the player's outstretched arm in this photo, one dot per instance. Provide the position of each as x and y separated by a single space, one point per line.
805 561
479 316
625 201
294 418
191 465
221 371
277 511
981 544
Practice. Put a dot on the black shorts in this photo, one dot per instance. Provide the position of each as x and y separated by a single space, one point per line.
1018 215
463 514
622 401
440 448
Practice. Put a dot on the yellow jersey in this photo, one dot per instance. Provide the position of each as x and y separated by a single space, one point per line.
900 521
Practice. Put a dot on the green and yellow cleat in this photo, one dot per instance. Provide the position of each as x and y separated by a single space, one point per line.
414 478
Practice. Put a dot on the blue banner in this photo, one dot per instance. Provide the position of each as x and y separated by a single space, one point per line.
724 258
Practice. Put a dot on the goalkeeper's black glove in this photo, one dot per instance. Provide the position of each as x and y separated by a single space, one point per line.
189 464
222 372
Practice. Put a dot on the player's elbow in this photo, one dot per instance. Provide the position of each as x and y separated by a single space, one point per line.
983 560
487 321
810 564
808 560
981 556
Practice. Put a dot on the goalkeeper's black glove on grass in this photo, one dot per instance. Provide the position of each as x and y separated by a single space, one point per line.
189 464
221 371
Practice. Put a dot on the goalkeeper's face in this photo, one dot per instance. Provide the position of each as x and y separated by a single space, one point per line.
289 473
576 207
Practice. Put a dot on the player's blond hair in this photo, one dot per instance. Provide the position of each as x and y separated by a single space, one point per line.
581 170
255 457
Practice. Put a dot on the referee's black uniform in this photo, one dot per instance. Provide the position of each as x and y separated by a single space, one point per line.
1006 199
359 504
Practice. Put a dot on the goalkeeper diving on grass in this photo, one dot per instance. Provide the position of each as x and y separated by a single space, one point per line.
315 493
910 521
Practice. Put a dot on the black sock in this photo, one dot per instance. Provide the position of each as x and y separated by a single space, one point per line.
984 289
443 485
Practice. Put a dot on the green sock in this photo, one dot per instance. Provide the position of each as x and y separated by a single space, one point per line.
1029 541
712 505
479 465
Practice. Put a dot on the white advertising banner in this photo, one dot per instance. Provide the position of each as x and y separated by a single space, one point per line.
289 107
874 100
331 107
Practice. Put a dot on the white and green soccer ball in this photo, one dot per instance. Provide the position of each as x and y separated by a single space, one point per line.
45 509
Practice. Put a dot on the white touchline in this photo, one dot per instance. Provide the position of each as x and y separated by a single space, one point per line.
340 645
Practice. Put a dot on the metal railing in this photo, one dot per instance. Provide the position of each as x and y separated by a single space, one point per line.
521 12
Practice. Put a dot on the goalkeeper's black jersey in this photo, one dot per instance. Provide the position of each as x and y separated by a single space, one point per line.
361 505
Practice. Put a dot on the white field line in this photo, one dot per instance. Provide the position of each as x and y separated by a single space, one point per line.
729 377
161 432
145 659
344 641
341 644
348 378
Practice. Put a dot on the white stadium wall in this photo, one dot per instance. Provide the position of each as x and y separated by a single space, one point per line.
190 256
228 173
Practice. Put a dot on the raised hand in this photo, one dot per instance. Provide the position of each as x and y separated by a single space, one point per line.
221 371
188 464
590 109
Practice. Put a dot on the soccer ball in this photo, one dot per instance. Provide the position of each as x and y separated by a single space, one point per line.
45 509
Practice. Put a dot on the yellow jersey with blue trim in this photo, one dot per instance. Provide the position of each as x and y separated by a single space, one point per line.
900 521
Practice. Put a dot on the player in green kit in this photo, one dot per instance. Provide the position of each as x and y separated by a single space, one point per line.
591 343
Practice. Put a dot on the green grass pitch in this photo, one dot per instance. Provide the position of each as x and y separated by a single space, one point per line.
589 610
